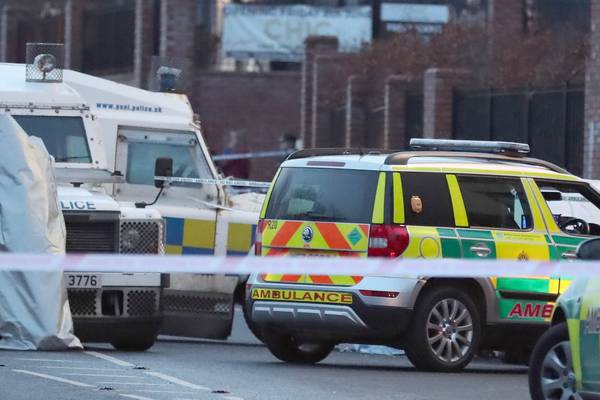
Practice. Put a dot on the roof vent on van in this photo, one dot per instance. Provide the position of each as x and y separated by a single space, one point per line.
479 146
44 62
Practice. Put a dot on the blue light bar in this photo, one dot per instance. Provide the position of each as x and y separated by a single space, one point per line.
475 146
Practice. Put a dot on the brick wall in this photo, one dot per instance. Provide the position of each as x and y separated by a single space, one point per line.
178 38
262 106
394 130
591 145
438 91
315 47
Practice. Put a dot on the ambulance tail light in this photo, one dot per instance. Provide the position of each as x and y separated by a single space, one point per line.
387 240
379 293
258 242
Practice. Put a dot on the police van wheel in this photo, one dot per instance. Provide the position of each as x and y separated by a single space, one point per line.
137 343
291 350
551 373
445 332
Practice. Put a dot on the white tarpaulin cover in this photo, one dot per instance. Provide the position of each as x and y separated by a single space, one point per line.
278 32
34 311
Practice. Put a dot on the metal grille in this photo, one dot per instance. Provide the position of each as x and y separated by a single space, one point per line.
52 51
93 237
141 237
82 302
197 304
141 303
549 119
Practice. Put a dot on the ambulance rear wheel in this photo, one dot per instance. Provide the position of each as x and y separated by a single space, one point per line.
445 331
289 349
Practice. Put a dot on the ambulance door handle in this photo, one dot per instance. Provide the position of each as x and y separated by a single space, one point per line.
569 255
480 250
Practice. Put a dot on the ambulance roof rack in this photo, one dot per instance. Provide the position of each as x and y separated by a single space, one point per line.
479 146
315 152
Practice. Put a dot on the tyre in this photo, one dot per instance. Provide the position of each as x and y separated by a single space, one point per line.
134 342
287 348
445 331
551 374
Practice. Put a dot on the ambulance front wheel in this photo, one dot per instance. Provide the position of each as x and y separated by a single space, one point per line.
445 331
551 372
289 349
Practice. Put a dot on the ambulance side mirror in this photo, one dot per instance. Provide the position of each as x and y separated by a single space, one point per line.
162 167
589 250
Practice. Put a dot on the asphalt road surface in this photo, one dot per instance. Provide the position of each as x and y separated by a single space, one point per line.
177 369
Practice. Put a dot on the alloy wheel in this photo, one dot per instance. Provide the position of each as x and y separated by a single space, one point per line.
557 376
450 330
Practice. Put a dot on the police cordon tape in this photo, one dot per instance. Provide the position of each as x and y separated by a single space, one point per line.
405 268
208 181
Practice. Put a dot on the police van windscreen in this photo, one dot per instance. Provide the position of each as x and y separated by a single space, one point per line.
323 194
64 137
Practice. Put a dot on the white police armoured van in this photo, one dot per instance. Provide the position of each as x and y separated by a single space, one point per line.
109 126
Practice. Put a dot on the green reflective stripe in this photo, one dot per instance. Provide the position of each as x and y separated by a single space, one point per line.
447 232
398 199
263 211
553 252
524 284
379 205
568 240
458 205
450 248
475 234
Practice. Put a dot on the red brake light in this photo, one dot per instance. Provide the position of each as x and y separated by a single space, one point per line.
260 227
379 293
387 240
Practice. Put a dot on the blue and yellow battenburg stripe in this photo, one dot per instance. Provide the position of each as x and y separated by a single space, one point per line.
240 238
194 236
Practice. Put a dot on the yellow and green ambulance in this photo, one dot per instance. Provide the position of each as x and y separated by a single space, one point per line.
445 199
565 363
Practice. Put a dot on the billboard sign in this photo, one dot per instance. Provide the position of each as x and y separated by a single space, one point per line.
423 18
277 32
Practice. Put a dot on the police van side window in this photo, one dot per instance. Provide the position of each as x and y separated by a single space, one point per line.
64 137
498 203
145 146
427 199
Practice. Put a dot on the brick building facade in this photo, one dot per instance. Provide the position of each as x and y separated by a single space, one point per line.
265 106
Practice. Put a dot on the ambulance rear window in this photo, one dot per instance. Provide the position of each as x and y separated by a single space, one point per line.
323 194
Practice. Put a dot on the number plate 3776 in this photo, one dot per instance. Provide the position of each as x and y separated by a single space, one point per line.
83 280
